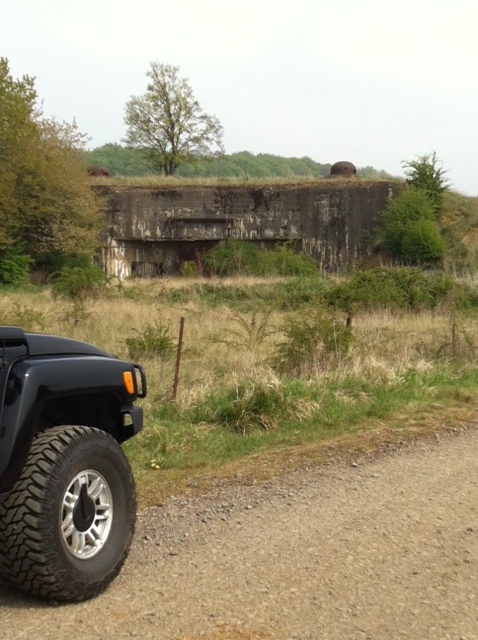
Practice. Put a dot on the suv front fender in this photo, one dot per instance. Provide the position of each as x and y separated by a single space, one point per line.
82 385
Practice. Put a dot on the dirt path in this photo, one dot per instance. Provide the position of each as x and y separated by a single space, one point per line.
383 550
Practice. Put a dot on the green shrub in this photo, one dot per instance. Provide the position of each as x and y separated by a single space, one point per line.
232 258
78 282
236 257
405 288
312 340
422 243
153 341
15 268
410 232
285 262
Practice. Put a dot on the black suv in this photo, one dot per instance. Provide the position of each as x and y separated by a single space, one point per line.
67 494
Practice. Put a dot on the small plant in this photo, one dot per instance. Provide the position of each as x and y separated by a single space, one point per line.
311 341
153 341
77 313
189 269
250 333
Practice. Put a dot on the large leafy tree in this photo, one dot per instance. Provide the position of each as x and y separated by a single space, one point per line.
47 207
168 124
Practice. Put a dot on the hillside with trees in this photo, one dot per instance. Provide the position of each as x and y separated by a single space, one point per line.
129 162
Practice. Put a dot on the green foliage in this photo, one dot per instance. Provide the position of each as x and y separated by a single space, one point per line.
236 257
285 262
312 341
121 161
167 123
425 174
300 292
78 283
246 165
404 288
252 405
153 341
46 203
14 268
128 161
232 258
410 232
423 243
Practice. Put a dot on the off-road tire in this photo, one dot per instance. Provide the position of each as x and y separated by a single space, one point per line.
57 543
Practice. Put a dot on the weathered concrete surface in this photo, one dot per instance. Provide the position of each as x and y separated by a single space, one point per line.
150 231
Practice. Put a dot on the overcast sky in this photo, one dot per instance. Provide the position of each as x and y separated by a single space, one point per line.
375 82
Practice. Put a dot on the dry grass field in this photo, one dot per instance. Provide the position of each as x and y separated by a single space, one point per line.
401 372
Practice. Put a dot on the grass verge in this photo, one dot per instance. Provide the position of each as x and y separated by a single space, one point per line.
177 452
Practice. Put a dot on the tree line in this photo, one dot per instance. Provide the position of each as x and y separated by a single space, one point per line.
128 161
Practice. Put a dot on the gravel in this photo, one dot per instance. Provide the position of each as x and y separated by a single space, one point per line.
377 549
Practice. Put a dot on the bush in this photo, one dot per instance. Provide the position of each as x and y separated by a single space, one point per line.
422 243
410 232
78 282
14 268
153 341
232 258
236 257
285 262
312 341
405 288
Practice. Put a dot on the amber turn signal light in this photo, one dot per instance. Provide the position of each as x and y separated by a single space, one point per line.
128 382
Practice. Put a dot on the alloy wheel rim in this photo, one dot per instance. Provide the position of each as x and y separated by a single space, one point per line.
86 514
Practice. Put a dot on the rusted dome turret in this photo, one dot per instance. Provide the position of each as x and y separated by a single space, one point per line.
343 169
99 170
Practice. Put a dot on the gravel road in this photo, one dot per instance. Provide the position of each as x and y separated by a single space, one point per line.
378 549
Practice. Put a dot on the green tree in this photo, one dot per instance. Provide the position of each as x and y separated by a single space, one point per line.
168 124
424 173
46 204
17 134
